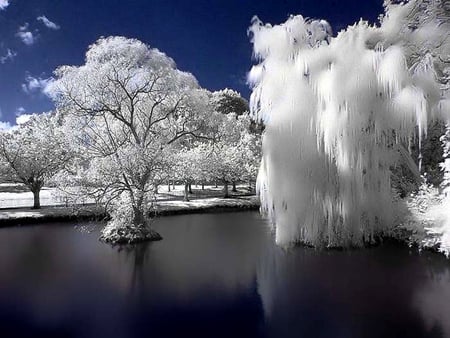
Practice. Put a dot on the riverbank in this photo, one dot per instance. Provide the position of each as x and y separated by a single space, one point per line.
27 216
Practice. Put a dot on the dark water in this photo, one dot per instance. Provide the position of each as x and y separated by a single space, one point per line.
214 275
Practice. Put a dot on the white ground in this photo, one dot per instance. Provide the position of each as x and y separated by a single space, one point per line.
52 197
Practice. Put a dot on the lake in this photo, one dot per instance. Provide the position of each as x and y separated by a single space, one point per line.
214 275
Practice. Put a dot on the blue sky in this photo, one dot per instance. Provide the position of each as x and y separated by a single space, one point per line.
205 37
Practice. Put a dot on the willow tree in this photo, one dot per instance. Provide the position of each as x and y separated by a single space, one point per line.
130 105
334 123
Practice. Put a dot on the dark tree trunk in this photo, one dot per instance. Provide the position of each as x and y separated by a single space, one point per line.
186 192
36 199
168 186
203 185
234 187
225 190
190 188
216 183
156 189
139 216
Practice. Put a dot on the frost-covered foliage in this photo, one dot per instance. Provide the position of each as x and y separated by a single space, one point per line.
334 109
190 164
34 152
427 223
128 106
122 228
234 155
445 165
231 154
227 101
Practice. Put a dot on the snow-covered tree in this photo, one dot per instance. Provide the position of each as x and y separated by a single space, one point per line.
131 105
445 164
250 156
421 28
190 165
34 152
227 101
234 152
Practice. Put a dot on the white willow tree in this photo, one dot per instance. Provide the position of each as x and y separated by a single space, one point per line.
131 105
335 111
421 28
34 152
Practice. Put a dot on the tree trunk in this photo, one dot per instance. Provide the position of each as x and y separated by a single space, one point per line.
36 199
190 188
225 190
168 186
186 192
137 199
234 187
139 216
156 189
203 185
216 183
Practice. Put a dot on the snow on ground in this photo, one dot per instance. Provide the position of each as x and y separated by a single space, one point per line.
15 203
48 196
16 196
18 215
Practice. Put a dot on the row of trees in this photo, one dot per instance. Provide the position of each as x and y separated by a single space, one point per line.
126 121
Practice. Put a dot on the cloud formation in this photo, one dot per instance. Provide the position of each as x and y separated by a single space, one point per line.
25 35
34 84
10 54
47 23
4 4
20 111
24 118
5 125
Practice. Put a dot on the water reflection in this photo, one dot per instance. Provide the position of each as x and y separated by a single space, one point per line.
214 276
135 257
433 299
379 292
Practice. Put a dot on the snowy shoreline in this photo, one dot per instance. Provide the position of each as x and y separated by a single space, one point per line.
27 216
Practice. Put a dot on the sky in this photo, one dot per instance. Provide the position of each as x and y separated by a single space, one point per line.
205 37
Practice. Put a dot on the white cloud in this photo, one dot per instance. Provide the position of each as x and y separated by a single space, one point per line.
25 35
24 27
34 84
4 4
47 23
10 54
5 125
24 118
20 111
